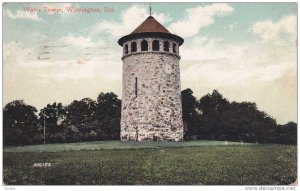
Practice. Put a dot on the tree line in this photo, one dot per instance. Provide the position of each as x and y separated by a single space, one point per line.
84 120
212 117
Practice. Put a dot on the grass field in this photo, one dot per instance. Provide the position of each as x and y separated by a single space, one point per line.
185 163
98 145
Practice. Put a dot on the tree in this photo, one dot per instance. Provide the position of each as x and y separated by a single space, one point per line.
20 123
213 107
224 120
53 116
211 117
79 117
287 134
213 102
250 124
292 132
109 115
190 114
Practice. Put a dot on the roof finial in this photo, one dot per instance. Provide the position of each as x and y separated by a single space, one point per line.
150 10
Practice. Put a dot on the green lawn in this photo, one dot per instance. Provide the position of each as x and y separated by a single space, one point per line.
98 145
117 163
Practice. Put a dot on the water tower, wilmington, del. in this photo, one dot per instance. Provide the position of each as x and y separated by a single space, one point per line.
151 92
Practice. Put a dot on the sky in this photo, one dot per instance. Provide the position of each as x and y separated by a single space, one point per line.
246 51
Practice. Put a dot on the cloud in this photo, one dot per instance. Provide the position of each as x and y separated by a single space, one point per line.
199 17
71 47
14 53
79 41
62 80
23 15
222 64
73 63
130 19
280 32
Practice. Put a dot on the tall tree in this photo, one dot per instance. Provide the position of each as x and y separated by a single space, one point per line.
109 115
79 117
190 114
287 134
234 121
20 123
213 102
51 118
212 107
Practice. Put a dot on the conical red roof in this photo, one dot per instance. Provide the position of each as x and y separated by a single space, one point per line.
150 28
150 25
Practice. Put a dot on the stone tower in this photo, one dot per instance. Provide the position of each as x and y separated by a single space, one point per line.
151 94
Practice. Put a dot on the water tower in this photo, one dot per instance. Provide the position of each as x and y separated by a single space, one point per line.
151 94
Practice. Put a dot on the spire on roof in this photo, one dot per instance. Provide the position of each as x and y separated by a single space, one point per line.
150 10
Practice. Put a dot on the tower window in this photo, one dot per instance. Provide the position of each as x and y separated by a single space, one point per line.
166 46
136 86
126 48
144 45
155 45
174 48
133 47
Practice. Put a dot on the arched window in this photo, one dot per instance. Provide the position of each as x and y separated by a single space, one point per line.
126 49
166 46
174 48
155 45
144 45
133 47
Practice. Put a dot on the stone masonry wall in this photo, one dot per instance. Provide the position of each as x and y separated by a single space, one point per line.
155 112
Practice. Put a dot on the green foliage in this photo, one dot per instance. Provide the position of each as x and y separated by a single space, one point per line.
84 120
286 134
88 120
80 120
205 165
20 123
109 114
213 117
213 107
190 115
51 117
